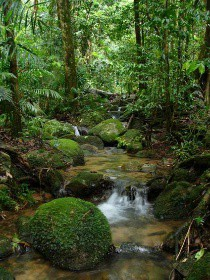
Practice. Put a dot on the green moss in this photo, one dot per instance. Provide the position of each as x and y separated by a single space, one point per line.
54 128
5 247
131 140
92 118
44 159
5 275
69 148
87 183
207 139
6 202
71 233
200 269
108 130
177 200
23 228
91 140
5 163
180 174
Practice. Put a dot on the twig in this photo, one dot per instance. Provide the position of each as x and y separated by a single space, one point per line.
187 236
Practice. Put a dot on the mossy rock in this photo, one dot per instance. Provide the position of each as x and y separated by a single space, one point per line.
73 234
6 202
39 159
23 228
155 187
131 141
5 274
87 183
177 201
70 149
132 166
108 130
91 140
199 162
54 128
89 149
200 269
5 247
181 174
52 180
92 118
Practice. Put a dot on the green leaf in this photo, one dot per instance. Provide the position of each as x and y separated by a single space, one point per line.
199 254
201 68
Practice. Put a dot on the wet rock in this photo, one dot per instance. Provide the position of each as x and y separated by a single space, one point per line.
146 154
71 233
132 166
155 187
108 130
52 181
5 274
88 183
131 141
149 168
70 149
178 200
5 247
130 192
5 167
89 150
91 140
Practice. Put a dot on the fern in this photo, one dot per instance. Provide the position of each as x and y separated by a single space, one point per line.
48 93
29 107
5 95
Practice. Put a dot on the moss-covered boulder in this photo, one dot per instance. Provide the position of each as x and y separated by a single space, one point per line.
155 186
6 201
70 149
199 162
5 274
88 183
200 269
54 128
131 141
50 158
181 174
108 130
5 247
90 140
89 150
73 234
177 201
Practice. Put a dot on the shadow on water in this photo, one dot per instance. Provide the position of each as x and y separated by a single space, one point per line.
135 231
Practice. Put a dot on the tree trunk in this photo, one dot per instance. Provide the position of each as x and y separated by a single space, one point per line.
207 56
138 33
65 22
167 77
13 69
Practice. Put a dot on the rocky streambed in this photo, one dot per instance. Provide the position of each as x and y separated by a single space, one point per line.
135 232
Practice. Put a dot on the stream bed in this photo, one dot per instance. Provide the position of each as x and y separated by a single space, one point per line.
136 233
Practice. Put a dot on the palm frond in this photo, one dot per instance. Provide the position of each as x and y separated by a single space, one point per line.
5 95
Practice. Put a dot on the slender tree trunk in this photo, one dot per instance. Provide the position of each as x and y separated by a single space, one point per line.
167 77
206 55
138 33
65 22
13 69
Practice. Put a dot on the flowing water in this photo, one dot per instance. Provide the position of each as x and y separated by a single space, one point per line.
135 231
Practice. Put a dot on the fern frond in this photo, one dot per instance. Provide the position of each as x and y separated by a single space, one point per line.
48 93
5 95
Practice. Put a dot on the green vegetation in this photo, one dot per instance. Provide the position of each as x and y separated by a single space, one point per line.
5 275
71 233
